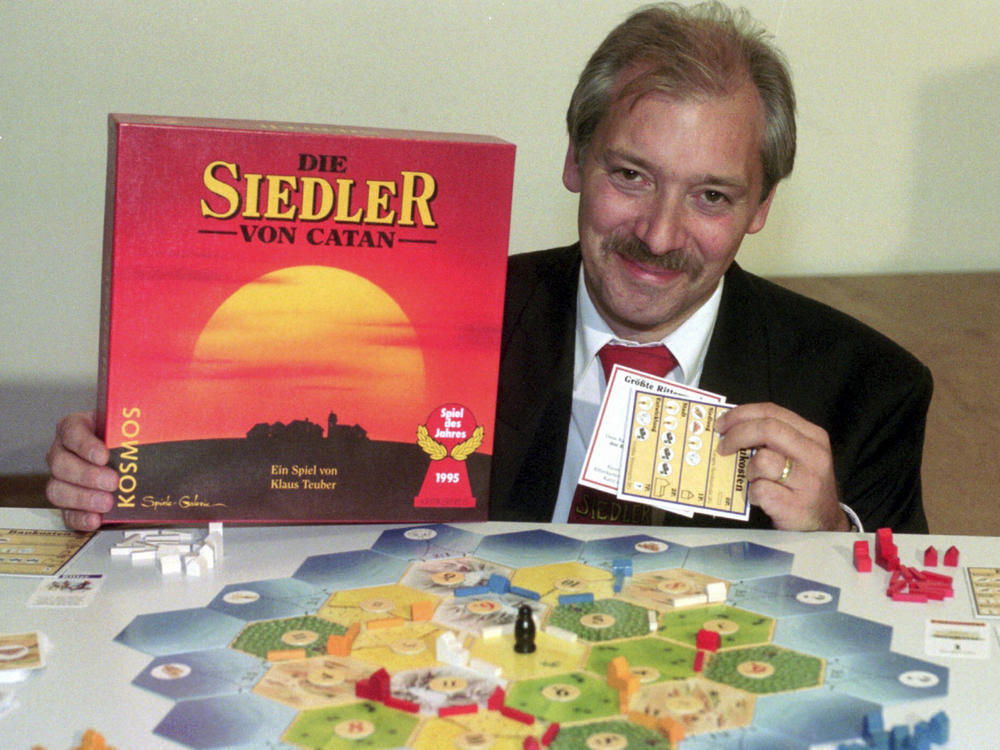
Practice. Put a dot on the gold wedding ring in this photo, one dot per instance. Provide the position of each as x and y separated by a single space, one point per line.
786 471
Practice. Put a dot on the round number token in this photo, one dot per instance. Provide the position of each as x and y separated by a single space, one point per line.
607 741
448 684
474 741
408 647
299 637
325 677
241 597
597 620
758 670
448 578
377 605
482 606
420 535
723 627
561 692
171 671
683 704
354 729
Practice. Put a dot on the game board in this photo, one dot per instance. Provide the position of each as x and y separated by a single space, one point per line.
782 668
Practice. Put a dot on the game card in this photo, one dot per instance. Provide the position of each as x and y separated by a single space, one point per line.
671 460
984 585
19 654
67 590
957 638
38 552
604 455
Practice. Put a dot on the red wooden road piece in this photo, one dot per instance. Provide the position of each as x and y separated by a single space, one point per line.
521 716
530 743
699 660
401 704
464 708
495 703
550 733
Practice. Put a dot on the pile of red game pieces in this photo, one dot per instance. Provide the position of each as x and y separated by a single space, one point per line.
907 584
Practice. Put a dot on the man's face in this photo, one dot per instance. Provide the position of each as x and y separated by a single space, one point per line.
668 188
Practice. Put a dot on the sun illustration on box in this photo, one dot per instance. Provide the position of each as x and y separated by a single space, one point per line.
308 336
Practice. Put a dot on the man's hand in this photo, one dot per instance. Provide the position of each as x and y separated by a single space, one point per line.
81 483
791 475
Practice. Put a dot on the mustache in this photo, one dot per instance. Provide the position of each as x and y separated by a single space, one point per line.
633 248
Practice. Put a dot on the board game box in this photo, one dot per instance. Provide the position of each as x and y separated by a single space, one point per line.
300 322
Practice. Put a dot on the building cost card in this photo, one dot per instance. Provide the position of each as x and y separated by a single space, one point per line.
655 443
670 458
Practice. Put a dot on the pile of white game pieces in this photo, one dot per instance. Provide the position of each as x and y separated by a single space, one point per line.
175 551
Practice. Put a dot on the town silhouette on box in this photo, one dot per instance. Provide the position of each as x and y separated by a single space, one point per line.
285 473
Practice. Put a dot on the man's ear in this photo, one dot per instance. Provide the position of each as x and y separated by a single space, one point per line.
571 170
760 216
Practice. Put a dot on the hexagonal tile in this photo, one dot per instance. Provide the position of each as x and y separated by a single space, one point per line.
532 547
373 603
344 570
473 613
551 656
308 633
430 542
267 600
569 578
784 595
365 724
652 659
812 717
446 685
765 669
602 620
832 634
442 577
565 697
697 703
736 627
230 721
200 674
665 590
645 552
737 561
887 678
179 630
313 683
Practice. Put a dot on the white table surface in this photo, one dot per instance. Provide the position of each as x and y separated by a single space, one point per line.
86 682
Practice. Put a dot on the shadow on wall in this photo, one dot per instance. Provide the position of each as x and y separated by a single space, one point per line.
30 412
956 185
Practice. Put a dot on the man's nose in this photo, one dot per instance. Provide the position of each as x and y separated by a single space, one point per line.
661 224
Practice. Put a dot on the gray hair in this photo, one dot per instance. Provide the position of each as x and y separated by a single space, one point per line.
684 52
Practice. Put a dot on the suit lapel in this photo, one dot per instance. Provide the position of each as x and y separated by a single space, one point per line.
737 364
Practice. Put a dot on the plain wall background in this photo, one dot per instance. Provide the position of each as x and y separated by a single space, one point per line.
897 169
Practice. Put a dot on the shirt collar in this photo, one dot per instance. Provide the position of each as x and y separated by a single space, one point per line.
688 343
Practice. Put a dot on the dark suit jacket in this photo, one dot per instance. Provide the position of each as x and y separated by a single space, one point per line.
769 344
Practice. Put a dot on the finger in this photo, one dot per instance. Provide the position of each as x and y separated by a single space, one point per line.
770 411
70 469
72 497
81 521
769 465
77 434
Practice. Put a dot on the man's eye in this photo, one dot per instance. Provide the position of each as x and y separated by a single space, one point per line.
714 196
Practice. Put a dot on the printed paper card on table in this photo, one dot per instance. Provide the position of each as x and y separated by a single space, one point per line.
604 454
301 322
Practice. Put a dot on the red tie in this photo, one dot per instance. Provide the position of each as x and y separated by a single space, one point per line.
652 360
593 506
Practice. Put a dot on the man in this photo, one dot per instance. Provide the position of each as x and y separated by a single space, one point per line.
681 127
